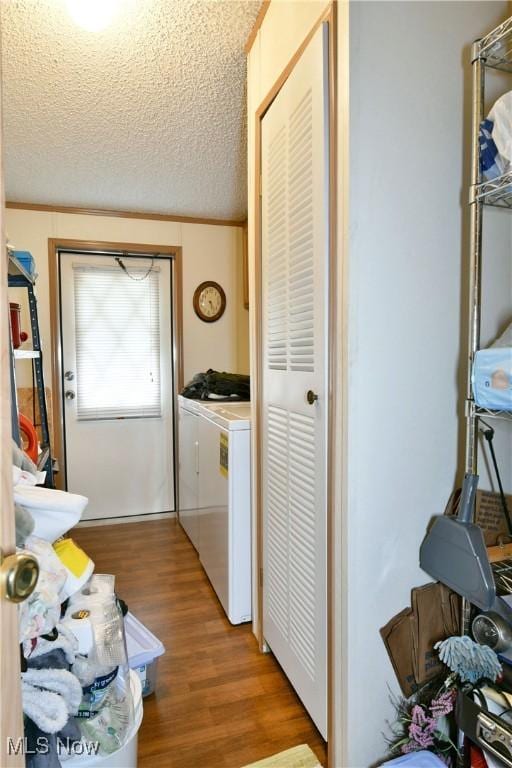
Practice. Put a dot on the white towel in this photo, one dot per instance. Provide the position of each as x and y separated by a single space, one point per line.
46 709
59 681
54 512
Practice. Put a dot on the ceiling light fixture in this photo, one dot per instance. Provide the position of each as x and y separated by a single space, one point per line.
93 15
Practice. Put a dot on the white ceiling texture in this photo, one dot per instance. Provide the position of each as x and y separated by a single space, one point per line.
146 115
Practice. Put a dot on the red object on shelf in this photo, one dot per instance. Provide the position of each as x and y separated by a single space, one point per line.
28 429
18 336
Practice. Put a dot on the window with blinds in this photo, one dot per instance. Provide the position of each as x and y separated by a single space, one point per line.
117 339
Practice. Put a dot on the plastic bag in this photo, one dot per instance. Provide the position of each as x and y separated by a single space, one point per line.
106 715
106 712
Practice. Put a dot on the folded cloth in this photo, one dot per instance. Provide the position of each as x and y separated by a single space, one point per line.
46 709
54 512
40 612
59 681
50 697
79 566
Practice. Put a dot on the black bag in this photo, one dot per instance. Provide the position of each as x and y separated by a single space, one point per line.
223 386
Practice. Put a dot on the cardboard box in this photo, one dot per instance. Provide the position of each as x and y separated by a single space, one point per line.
410 636
488 515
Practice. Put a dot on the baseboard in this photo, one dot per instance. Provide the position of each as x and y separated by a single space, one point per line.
130 519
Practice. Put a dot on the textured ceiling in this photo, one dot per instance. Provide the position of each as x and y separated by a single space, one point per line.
147 115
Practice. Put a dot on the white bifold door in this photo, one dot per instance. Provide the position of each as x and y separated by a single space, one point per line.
118 383
295 255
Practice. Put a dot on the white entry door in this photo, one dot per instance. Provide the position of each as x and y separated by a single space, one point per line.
118 383
295 238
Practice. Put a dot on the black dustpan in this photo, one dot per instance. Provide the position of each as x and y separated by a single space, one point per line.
454 553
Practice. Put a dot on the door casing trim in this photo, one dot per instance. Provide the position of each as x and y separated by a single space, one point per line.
58 244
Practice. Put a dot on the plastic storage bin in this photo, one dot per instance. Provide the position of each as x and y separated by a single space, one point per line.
26 260
126 756
492 378
143 652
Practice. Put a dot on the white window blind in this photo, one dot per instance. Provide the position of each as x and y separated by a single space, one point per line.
117 337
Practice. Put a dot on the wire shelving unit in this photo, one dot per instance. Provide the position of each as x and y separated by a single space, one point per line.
19 277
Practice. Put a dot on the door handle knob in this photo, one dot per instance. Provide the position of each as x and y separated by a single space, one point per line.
18 577
70 395
311 396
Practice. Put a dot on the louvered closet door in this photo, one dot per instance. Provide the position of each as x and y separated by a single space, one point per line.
294 271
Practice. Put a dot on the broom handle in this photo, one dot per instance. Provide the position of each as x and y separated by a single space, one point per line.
467 499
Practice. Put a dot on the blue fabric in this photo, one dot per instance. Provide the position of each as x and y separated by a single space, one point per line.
491 378
422 759
489 156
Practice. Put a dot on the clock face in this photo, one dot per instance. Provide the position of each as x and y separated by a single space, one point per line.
209 301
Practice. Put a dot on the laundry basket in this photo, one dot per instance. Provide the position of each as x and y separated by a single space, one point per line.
126 756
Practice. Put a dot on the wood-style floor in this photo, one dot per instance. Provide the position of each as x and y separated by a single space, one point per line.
219 702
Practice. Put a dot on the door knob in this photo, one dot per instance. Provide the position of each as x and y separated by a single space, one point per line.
70 395
18 577
69 375
311 396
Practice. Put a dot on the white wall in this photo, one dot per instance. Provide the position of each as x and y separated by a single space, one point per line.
409 129
209 253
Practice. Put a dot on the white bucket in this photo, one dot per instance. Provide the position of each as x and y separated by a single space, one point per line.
126 756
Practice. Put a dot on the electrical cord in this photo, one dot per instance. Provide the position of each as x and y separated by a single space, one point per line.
132 277
488 433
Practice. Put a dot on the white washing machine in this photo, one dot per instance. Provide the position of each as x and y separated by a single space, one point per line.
215 470
188 473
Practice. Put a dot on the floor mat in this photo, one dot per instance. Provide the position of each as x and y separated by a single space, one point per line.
297 757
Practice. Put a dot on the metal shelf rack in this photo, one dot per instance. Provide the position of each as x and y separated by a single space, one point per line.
19 277
494 51
501 415
497 192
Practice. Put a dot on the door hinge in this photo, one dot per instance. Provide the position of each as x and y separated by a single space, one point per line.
261 577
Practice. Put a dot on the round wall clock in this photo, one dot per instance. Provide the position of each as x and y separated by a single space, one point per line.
209 301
